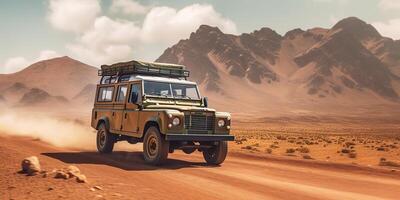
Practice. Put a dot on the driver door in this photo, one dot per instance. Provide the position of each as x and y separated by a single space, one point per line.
131 113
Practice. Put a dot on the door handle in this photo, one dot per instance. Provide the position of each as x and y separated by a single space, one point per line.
126 115
113 114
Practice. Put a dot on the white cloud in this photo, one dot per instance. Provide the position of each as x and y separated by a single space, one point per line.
16 64
47 54
389 5
112 40
390 28
106 42
128 7
168 25
73 15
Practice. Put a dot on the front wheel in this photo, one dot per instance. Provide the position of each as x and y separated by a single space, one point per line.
155 147
105 140
217 154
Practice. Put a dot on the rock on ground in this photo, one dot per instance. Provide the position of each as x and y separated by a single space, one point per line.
80 178
31 165
61 174
72 170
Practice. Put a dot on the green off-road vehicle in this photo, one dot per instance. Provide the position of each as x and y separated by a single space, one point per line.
154 103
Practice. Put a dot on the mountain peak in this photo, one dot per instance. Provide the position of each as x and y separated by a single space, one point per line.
208 29
266 33
357 27
291 34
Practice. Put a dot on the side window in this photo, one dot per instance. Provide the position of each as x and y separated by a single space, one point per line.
113 79
105 94
135 96
105 79
124 78
108 79
122 90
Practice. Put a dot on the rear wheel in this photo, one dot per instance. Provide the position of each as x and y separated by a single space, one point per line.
217 154
105 140
155 147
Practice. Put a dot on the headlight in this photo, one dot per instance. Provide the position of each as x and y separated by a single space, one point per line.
221 123
176 121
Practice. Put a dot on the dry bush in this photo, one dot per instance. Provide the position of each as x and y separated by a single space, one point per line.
248 147
303 150
268 150
274 146
345 151
308 157
389 163
290 150
352 155
281 137
380 149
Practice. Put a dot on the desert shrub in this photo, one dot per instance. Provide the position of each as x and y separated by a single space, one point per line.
389 163
307 142
345 151
304 150
274 146
281 137
380 149
348 144
306 156
352 155
248 147
290 150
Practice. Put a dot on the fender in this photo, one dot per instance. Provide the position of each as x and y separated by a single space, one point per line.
152 120
105 120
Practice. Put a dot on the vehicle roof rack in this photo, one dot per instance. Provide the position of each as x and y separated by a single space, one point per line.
144 68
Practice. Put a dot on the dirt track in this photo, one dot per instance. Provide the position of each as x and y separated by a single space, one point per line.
123 175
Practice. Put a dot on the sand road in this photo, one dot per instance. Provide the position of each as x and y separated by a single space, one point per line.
123 175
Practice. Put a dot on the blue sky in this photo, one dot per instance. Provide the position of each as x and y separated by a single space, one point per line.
107 31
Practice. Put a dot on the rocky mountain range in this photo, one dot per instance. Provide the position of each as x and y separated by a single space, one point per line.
349 59
349 68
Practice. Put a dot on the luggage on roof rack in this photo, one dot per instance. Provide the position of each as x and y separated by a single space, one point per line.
144 68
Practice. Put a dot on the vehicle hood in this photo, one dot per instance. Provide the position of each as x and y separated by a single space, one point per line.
180 108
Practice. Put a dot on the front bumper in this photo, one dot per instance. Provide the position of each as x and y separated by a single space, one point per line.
198 137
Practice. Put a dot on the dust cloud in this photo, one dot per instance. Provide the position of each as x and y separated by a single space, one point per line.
58 132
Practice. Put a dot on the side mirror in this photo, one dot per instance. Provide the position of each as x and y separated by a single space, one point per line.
205 102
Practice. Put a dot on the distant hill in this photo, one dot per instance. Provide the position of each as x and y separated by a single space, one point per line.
36 96
15 92
86 95
61 76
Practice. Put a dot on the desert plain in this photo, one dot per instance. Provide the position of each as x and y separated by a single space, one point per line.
274 158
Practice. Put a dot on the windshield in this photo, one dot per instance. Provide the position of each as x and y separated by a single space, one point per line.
171 90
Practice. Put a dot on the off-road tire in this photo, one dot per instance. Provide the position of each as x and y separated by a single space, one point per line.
155 147
105 140
217 154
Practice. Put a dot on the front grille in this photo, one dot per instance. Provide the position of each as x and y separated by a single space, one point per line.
198 123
